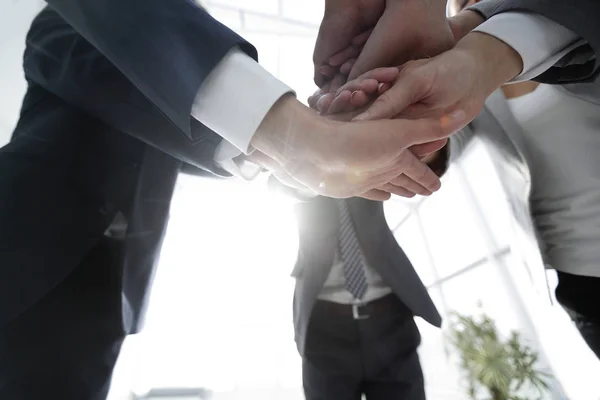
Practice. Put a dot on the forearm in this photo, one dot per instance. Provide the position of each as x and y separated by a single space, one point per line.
495 61
284 132
61 61
165 48
576 16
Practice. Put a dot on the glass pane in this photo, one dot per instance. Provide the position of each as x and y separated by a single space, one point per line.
229 17
487 286
268 47
261 6
395 212
225 242
15 18
267 24
413 243
308 11
442 377
563 345
452 231
296 68
480 173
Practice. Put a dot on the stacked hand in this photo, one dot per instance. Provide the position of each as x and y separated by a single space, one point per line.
405 112
387 33
345 159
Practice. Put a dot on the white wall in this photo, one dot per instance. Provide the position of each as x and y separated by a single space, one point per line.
15 17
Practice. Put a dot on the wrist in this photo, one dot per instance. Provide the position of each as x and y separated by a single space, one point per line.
496 62
287 129
431 34
464 22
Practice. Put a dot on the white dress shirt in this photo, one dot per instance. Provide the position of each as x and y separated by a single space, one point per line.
334 289
540 42
238 93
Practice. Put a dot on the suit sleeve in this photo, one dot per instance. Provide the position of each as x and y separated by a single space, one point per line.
579 16
166 48
67 65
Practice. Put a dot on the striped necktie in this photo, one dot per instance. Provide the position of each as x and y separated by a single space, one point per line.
351 254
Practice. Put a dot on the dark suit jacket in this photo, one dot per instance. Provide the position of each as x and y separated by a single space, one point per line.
165 48
318 240
90 144
580 16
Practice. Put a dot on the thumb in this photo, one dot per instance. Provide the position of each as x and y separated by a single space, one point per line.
404 133
424 149
424 130
390 103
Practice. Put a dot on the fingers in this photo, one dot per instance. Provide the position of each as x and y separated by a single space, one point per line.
312 99
343 61
357 93
359 99
424 149
341 103
404 133
335 34
395 100
403 184
381 47
324 102
287 180
364 82
347 66
327 71
397 190
376 195
373 82
361 39
340 58
418 173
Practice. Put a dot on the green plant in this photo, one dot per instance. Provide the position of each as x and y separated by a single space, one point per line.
504 368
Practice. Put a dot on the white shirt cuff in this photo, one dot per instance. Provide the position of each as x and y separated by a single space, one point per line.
235 98
227 157
539 41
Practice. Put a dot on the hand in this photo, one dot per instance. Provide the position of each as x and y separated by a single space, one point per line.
407 30
338 159
349 104
365 87
460 79
343 20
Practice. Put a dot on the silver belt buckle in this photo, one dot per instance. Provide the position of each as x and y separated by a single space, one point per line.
356 311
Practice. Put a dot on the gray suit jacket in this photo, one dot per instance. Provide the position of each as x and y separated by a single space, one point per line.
318 230
502 137
580 16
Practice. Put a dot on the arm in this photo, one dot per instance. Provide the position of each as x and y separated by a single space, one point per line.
64 63
276 186
173 46
576 16
166 49
440 161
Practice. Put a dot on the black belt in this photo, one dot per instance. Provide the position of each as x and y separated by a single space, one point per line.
387 305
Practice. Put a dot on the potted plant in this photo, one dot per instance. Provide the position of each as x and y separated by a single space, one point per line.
496 368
